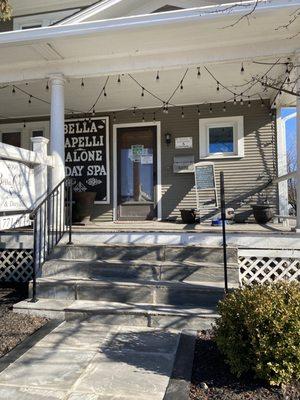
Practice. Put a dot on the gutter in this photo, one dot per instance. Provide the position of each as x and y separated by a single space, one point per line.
140 21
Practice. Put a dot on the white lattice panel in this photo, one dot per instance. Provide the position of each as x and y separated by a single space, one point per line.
16 265
267 266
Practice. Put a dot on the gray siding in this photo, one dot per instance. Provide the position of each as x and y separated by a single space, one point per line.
6 26
244 177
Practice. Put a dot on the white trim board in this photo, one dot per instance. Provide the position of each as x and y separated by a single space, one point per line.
158 160
237 122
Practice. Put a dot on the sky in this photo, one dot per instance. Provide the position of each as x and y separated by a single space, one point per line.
290 129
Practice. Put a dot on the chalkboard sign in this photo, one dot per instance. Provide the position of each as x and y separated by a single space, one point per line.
205 181
87 156
204 177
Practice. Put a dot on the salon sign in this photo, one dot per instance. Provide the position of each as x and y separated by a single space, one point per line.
87 156
17 190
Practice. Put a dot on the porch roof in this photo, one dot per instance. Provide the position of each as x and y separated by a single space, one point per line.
147 42
169 42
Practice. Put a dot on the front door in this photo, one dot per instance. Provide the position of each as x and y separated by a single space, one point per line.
136 158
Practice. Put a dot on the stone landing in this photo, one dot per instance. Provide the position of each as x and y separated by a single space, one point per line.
88 361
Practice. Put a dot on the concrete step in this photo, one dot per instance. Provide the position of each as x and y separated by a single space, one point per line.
180 254
202 294
138 270
115 313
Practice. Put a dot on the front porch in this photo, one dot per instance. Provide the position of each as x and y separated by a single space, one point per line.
131 107
198 107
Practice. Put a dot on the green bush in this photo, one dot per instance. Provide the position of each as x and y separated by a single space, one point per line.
259 331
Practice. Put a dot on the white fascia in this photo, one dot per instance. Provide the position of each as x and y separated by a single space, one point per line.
185 16
89 12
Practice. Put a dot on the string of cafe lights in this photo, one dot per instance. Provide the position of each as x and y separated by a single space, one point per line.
166 103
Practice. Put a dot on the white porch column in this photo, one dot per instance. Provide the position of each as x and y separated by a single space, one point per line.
298 145
57 120
282 165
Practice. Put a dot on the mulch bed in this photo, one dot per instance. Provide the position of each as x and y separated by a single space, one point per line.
212 380
14 328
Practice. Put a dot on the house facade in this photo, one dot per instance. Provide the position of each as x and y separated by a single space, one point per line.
133 94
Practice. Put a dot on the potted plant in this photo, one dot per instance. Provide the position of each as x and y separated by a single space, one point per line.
83 207
188 216
263 211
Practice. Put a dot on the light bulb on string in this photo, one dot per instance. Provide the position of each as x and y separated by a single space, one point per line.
262 103
47 87
119 79
143 119
114 117
242 69
210 109
181 86
93 112
143 92
134 111
24 124
198 73
242 100
29 100
182 112
198 110
104 92
249 102
224 107
157 76
82 83
218 86
13 90
234 100
167 108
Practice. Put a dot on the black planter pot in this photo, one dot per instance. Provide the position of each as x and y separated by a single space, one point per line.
83 207
263 213
188 216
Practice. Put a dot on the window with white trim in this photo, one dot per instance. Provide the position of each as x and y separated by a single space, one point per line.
221 137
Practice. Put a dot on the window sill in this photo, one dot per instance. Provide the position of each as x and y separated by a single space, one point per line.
221 157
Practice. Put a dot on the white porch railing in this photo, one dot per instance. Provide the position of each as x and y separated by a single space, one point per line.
23 185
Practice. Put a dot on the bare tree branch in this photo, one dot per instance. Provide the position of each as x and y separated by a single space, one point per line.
245 16
278 88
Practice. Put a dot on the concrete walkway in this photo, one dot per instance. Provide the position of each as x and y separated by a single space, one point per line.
88 361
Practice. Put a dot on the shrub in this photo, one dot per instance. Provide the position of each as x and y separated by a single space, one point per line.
259 331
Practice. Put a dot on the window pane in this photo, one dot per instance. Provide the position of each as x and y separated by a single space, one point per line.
37 133
221 140
12 138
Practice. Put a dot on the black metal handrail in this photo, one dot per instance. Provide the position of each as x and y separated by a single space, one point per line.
51 219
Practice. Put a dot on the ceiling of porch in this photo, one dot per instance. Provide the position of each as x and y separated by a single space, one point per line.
17 103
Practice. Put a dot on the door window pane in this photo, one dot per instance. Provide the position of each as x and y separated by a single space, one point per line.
221 139
136 152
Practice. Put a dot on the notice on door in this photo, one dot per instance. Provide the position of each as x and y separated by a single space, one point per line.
87 156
